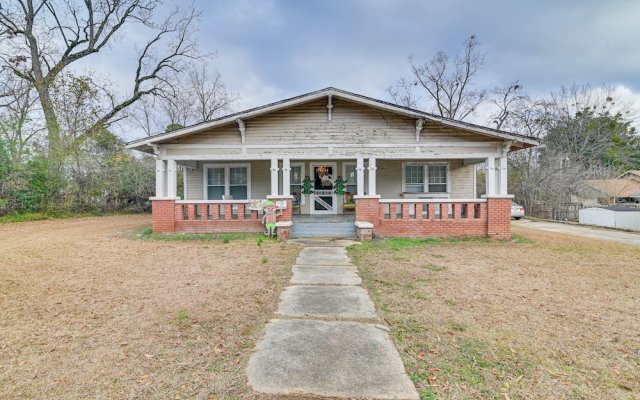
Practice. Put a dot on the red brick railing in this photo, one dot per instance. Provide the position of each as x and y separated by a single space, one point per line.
216 216
433 217
436 217
210 216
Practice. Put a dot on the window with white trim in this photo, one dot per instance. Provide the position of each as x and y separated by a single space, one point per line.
227 180
414 178
437 179
238 183
216 187
425 178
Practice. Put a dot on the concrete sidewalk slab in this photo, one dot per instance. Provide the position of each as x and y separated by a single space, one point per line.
342 359
324 275
324 253
326 302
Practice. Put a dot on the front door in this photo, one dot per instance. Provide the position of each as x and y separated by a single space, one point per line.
323 200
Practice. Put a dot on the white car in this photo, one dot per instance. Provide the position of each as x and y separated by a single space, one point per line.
517 211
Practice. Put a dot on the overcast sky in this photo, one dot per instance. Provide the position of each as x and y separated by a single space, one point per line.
270 50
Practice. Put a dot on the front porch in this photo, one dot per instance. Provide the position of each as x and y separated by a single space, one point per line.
381 197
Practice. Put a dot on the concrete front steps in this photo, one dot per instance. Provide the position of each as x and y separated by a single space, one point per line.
323 226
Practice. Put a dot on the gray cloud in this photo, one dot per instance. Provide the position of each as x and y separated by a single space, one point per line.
267 50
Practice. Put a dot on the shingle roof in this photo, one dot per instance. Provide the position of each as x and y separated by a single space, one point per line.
616 187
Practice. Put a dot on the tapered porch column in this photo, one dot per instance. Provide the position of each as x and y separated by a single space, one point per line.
372 176
360 175
274 176
490 176
172 179
286 177
502 176
161 178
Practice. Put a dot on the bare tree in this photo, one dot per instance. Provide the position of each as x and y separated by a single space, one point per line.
42 38
448 83
200 96
505 99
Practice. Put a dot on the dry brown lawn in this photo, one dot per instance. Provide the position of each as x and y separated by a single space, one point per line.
89 311
547 316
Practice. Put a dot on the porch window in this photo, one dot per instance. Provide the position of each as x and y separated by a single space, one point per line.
295 187
238 183
414 178
437 178
425 178
227 180
350 178
215 183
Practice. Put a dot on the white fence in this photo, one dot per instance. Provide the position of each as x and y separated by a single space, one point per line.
623 219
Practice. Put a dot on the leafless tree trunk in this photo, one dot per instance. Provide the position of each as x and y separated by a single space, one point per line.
42 38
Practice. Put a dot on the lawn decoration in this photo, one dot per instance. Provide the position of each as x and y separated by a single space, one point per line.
269 219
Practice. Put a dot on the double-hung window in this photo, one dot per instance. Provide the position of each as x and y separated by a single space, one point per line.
227 180
437 178
425 178
414 178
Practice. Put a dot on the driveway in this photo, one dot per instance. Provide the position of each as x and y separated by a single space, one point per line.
610 235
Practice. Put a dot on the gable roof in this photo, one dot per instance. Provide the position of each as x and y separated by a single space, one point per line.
144 143
616 187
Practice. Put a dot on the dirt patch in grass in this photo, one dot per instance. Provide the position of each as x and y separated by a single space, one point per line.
543 316
91 312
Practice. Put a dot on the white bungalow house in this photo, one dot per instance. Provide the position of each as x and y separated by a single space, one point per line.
405 172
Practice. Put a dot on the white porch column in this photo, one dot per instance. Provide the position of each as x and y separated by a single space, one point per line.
360 175
161 178
286 177
490 176
502 176
274 176
372 176
172 179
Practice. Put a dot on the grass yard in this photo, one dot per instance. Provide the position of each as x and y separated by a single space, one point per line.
92 308
546 316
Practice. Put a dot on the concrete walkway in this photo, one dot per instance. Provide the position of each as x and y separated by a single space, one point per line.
610 235
327 340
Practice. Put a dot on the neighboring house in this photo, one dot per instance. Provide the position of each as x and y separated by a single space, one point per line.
407 173
623 189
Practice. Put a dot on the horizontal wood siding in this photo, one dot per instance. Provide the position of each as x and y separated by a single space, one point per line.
260 180
461 180
194 183
351 124
389 179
